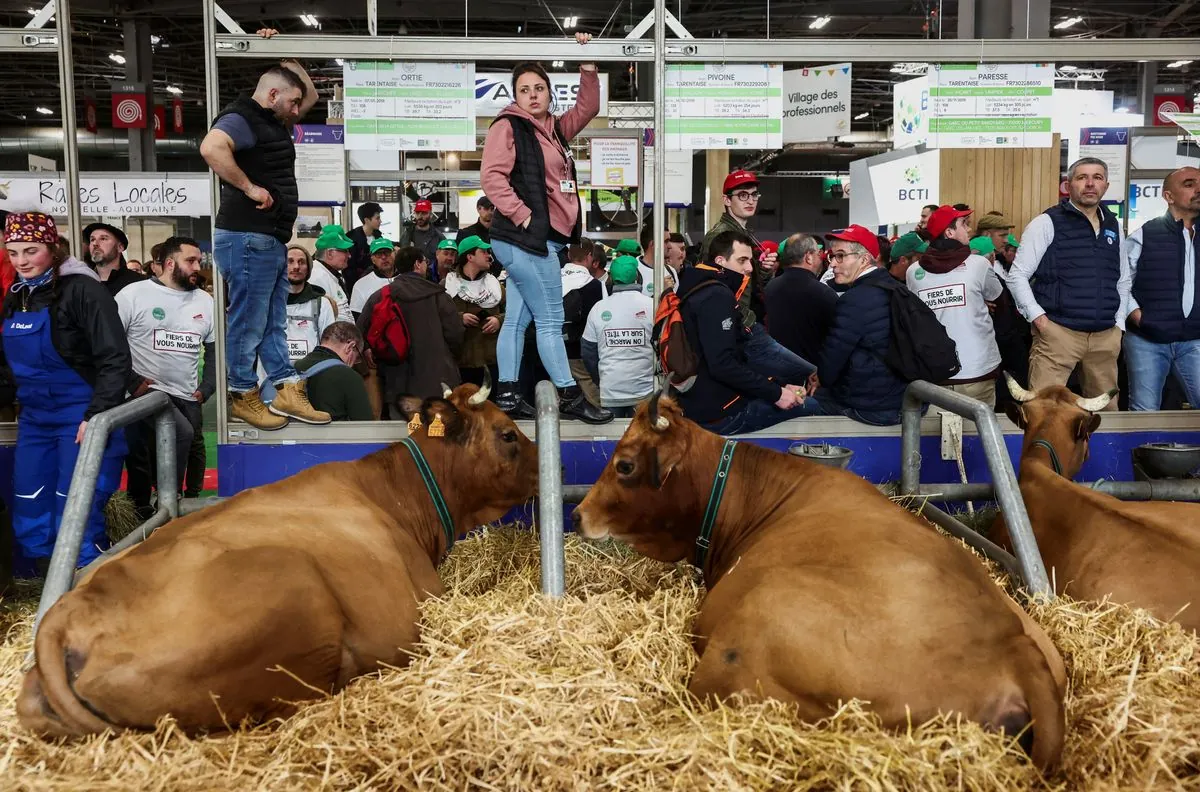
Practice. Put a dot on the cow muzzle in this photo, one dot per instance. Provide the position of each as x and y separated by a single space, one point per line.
587 528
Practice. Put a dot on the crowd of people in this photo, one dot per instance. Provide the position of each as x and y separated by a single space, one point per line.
749 332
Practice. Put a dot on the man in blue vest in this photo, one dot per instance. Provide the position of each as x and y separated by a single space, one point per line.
250 149
1070 281
1164 308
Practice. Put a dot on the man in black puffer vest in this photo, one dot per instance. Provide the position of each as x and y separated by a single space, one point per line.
250 149
1164 308
1080 286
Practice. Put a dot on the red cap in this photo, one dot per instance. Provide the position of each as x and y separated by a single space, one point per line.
942 218
769 246
739 178
862 236
423 206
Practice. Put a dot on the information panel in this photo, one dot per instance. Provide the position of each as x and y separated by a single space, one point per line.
991 105
724 106
405 106
614 162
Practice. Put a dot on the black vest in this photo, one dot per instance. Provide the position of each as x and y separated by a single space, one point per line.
1158 287
271 164
1076 281
528 180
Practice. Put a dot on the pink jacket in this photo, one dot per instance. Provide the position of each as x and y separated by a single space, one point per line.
499 155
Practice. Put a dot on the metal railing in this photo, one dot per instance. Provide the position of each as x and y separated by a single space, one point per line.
1028 562
550 490
61 575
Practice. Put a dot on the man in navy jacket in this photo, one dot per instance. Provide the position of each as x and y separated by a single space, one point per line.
854 380
728 396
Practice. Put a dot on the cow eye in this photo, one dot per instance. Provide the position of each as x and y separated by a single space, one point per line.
624 467
509 436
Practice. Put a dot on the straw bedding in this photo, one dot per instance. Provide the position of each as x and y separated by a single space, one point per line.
510 691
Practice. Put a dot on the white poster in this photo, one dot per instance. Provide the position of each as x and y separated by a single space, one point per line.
407 106
1146 202
678 181
493 92
135 195
1107 145
41 164
903 186
614 162
1071 105
991 105
724 106
816 103
320 163
910 113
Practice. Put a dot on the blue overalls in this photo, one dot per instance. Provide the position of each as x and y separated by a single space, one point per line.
53 400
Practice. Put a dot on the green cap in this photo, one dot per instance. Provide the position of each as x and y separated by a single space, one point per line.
908 245
334 236
381 244
629 247
983 245
624 270
1012 240
448 244
472 243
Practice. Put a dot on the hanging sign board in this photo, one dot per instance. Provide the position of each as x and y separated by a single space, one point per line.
320 163
816 103
493 92
724 106
1188 122
407 106
144 195
901 187
678 179
1005 105
1106 144
614 162
910 113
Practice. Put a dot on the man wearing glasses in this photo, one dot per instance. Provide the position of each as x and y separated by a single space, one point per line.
765 355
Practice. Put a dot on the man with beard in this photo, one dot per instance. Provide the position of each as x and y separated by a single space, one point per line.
483 227
251 151
309 309
169 321
106 254
421 234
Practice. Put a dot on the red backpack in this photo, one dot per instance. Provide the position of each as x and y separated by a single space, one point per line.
387 335
676 357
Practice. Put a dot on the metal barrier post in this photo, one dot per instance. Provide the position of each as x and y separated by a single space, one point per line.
1008 493
65 556
550 490
167 462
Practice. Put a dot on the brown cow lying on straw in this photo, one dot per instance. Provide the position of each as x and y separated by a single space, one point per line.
1094 545
283 593
821 590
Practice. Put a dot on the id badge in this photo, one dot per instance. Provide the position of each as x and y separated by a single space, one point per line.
567 186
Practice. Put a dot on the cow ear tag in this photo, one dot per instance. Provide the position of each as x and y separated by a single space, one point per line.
436 427
415 423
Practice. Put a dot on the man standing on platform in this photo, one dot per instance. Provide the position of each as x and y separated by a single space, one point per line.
251 151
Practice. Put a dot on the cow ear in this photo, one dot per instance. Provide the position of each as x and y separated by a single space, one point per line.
1086 425
1016 414
445 420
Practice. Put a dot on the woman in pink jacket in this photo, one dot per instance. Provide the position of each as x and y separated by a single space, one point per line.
529 175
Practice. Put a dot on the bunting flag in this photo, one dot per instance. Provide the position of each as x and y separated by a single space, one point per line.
177 116
160 122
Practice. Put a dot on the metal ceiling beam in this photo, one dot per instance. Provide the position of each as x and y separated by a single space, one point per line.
429 48
18 40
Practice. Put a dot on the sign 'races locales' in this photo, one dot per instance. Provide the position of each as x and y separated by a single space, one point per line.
186 195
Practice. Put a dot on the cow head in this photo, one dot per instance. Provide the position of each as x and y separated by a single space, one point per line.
646 496
475 450
1058 417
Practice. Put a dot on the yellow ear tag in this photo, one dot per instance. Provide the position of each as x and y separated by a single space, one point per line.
436 427
415 423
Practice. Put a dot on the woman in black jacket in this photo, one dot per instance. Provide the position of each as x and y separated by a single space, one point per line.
63 340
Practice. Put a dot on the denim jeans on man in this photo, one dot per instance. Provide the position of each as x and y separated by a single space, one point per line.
1149 364
772 359
255 267
533 293
756 415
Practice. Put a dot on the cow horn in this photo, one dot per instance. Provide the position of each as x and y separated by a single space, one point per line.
1018 393
484 391
447 391
1096 403
657 422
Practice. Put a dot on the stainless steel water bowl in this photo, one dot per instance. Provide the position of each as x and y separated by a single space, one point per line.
1167 460
823 454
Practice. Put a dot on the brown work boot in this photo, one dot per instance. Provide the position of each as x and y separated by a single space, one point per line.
291 401
249 407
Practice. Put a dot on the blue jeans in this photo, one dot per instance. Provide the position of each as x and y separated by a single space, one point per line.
755 415
1148 364
255 267
772 359
533 293
823 403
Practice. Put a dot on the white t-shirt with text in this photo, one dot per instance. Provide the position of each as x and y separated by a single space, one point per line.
364 288
959 299
167 331
620 326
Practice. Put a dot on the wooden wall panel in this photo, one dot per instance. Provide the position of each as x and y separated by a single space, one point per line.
1022 183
